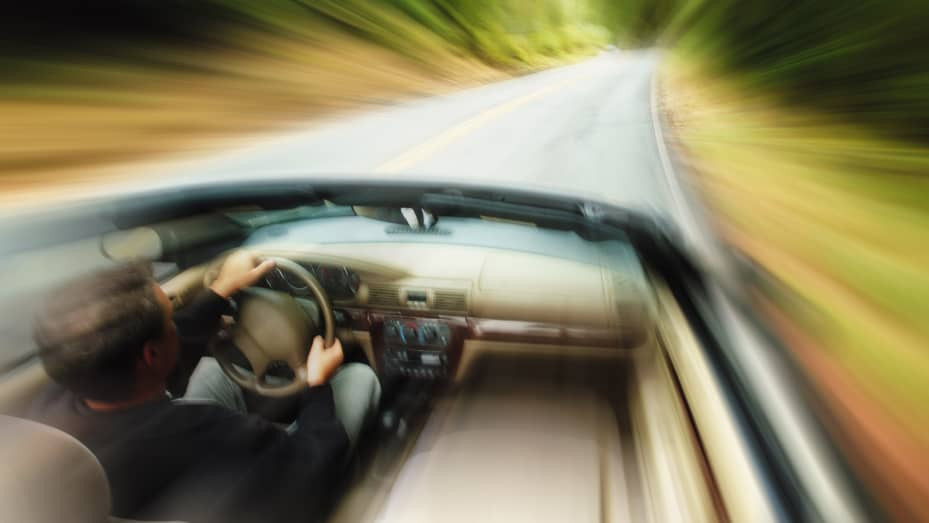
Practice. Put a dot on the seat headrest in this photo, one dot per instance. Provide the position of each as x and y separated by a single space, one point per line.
48 476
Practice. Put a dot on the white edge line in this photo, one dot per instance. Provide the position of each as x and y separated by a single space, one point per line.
681 210
666 167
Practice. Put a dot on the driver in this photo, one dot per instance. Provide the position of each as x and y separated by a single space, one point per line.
112 343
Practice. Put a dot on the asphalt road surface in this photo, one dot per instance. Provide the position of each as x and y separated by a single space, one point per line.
582 129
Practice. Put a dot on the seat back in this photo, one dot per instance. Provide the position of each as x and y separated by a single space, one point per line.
48 476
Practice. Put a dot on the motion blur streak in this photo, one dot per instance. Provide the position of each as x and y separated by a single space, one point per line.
110 82
803 127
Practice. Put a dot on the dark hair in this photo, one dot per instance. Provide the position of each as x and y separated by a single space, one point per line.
92 330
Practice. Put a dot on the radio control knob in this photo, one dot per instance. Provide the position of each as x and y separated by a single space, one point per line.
409 333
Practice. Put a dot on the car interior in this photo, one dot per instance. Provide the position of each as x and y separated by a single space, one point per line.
536 366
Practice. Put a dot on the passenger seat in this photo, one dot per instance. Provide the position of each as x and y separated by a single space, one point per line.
50 477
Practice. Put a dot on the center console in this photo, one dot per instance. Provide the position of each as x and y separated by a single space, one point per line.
425 348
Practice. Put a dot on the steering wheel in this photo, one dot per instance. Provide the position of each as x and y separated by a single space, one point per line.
273 332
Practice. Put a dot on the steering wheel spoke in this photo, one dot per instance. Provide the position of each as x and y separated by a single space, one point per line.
252 351
272 328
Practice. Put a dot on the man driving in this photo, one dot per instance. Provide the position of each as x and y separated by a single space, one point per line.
112 342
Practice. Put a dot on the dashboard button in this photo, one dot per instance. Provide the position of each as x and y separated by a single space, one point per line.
409 334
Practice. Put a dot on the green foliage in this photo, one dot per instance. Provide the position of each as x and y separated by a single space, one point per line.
511 34
808 123
505 33
862 62
638 22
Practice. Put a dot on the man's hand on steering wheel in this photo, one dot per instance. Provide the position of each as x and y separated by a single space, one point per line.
240 270
271 328
322 361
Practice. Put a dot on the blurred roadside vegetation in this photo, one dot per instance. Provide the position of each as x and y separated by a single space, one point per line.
108 82
806 125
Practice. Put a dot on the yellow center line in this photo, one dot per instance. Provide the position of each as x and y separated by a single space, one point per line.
438 142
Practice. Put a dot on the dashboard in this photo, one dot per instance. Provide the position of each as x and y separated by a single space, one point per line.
425 304
340 283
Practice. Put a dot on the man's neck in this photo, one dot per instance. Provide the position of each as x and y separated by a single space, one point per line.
138 399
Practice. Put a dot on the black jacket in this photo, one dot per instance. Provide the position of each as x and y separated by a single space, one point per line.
202 462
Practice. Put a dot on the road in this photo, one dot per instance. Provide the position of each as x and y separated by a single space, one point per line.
587 129
583 129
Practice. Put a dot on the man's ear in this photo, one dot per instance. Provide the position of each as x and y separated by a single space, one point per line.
152 354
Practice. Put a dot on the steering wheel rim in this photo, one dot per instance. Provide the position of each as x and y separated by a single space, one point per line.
322 299
259 356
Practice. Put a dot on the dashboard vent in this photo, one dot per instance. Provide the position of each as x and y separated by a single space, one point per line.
450 300
383 295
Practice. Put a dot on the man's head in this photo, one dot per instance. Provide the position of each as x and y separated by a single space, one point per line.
108 336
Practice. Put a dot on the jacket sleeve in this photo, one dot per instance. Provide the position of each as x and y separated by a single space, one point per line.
195 324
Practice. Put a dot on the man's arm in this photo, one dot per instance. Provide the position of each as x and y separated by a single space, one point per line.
230 467
312 457
259 472
197 322
293 472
